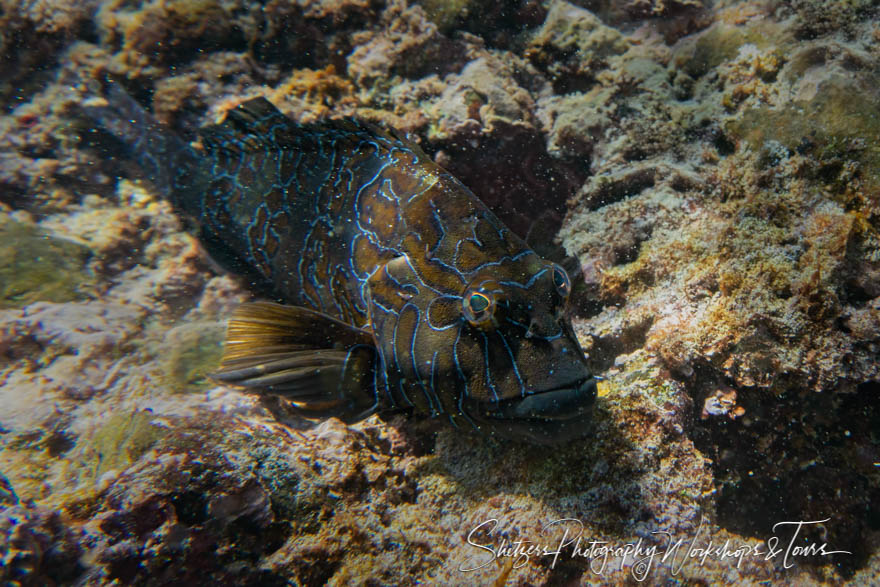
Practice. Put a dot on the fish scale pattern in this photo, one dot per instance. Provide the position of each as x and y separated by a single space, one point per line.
356 224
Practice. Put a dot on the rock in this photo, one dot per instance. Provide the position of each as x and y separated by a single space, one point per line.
710 167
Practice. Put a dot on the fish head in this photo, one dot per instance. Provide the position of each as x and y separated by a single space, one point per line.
522 369
498 352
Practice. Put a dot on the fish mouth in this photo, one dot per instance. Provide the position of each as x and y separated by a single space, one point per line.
547 417
559 403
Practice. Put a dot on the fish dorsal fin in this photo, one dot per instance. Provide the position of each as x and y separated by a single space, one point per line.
256 111
359 127
250 126
323 367
258 125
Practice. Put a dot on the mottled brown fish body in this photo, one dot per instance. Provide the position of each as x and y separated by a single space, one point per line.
404 290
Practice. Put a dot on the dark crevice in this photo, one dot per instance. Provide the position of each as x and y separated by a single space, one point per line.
523 185
724 144
607 348
612 190
190 507
795 456
501 24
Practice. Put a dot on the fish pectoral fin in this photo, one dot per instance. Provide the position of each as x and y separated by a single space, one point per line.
323 367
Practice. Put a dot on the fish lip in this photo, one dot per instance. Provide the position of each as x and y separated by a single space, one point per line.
549 418
566 402
577 383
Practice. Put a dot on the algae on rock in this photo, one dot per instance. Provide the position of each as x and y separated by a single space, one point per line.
119 442
191 352
37 267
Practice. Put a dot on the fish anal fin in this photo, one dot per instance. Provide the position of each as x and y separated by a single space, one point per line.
321 366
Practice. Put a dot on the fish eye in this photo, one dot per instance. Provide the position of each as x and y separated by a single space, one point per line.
478 306
561 281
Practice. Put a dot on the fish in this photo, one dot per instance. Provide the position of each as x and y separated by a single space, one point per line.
394 286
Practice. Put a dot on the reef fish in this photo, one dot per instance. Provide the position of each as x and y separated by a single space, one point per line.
400 288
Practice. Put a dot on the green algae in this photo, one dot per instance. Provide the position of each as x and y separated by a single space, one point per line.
445 13
37 267
720 44
840 123
815 18
191 352
120 441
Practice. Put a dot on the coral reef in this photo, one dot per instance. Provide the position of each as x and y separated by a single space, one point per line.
32 33
37 548
710 168
148 35
408 45
572 45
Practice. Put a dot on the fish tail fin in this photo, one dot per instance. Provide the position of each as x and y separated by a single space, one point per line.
169 162
321 366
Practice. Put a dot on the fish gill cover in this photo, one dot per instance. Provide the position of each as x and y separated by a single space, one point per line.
706 172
